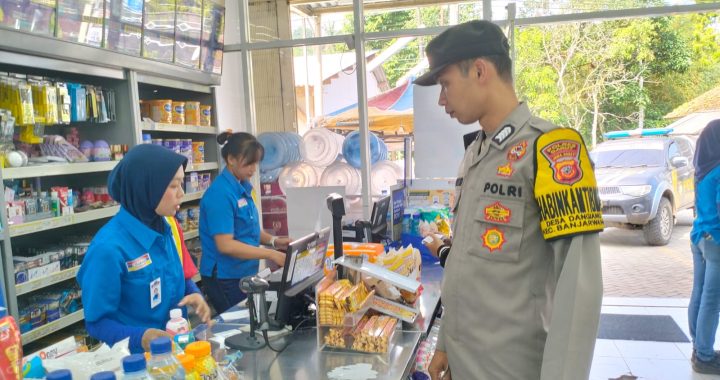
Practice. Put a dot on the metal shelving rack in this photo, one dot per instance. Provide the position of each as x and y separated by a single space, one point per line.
129 77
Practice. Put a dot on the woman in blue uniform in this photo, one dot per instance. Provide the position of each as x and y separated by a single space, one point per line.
230 230
705 237
132 274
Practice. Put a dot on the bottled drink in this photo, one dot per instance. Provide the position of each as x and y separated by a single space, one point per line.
105 375
162 364
177 324
205 365
61 374
135 367
187 361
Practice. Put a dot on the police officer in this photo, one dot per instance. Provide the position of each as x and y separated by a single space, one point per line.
522 288
136 269
230 231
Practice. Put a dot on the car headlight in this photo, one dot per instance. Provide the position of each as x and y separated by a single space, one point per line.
636 190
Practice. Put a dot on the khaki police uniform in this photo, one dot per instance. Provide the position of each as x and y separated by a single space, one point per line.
522 287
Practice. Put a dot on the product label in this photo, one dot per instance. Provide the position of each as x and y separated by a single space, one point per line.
167 108
206 112
179 109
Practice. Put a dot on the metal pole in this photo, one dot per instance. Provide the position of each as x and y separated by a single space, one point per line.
361 71
246 60
487 10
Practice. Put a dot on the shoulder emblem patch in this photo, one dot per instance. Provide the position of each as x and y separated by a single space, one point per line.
565 187
503 134
517 151
564 159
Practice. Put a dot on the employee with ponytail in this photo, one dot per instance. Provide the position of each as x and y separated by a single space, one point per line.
230 230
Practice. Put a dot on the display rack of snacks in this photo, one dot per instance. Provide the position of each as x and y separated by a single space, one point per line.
347 319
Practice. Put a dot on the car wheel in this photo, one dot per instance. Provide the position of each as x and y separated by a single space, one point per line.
659 230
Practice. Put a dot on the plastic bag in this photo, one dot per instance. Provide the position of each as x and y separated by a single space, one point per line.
85 364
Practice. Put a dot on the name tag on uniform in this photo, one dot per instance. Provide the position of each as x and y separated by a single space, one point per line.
242 202
155 293
139 263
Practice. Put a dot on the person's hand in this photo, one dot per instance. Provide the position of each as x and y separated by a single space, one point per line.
434 245
439 368
197 302
277 257
282 243
150 335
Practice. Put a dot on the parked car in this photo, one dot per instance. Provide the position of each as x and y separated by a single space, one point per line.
644 179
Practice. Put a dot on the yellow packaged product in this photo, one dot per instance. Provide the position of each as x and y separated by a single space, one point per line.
205 115
192 113
205 365
178 112
161 111
187 361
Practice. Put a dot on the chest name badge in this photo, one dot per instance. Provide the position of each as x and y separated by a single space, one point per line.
139 263
155 293
498 213
242 202
503 189
517 151
493 239
505 170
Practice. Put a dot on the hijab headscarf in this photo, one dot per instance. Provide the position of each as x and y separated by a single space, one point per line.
139 181
707 151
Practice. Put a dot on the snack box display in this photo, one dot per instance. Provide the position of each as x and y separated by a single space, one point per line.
373 334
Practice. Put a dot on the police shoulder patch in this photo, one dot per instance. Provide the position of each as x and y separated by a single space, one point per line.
565 187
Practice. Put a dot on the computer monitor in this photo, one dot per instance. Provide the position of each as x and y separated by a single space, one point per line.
379 219
303 269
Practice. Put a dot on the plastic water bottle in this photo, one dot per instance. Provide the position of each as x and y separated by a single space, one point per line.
61 374
299 174
177 324
384 174
321 147
280 148
105 375
162 364
188 363
351 149
135 367
342 174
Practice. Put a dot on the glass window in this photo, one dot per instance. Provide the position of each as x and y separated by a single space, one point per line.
673 150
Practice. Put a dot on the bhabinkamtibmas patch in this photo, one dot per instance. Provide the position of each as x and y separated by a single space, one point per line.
565 187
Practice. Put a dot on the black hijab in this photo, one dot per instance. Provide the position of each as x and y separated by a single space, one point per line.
707 151
139 181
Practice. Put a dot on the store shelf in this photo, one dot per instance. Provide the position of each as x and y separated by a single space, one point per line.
381 273
62 221
191 234
193 196
52 327
45 170
162 127
27 287
202 167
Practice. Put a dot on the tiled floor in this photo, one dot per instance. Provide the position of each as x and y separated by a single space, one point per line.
646 360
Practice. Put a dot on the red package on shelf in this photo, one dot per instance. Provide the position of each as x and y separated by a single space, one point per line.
10 349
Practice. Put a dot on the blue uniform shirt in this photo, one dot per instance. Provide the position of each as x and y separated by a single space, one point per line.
124 259
707 207
228 208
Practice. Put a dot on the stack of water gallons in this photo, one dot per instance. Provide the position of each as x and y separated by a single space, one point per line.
324 158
